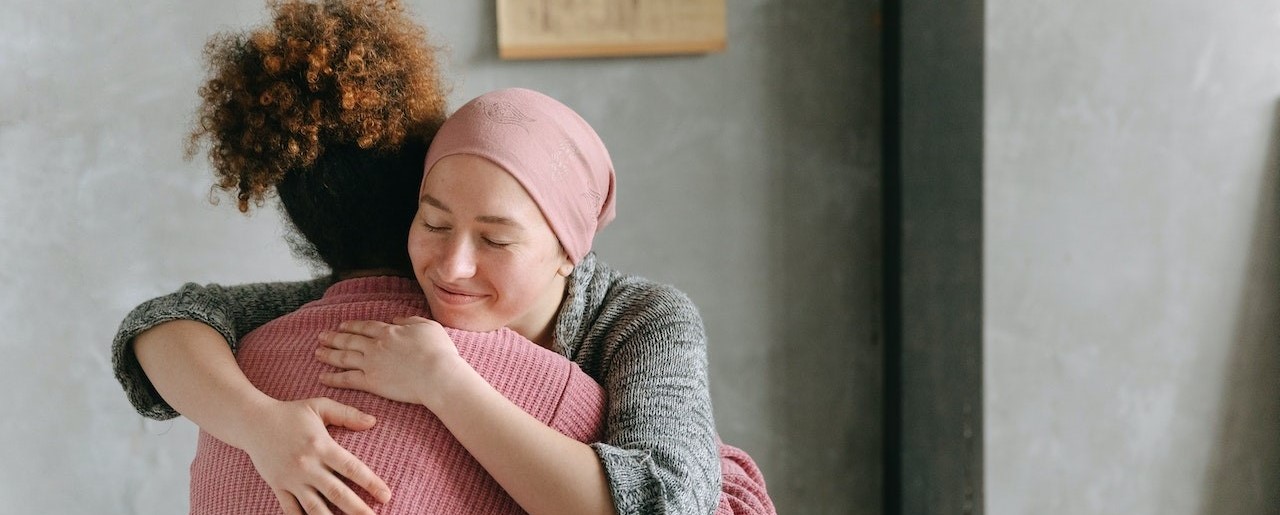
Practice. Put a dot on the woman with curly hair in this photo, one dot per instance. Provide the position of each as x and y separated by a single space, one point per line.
331 107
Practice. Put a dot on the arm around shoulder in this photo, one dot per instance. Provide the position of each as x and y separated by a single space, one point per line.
230 311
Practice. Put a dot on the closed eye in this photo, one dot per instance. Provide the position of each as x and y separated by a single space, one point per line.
433 228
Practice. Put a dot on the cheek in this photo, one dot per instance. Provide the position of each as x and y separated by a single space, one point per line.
419 247
521 278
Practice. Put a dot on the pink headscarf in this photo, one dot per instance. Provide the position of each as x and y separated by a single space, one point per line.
554 154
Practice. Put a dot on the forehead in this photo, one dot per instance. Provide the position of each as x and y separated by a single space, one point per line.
474 186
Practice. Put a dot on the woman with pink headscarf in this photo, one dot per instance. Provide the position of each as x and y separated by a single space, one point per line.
516 186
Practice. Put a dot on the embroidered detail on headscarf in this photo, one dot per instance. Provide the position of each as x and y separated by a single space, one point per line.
596 199
505 113
563 152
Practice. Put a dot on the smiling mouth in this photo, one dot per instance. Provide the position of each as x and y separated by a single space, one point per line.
454 297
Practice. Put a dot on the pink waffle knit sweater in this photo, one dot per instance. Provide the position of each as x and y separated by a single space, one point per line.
426 468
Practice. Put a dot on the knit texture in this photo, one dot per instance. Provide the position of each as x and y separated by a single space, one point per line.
643 342
743 491
232 311
427 469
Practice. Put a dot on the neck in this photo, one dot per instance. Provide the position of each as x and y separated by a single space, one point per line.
540 324
547 339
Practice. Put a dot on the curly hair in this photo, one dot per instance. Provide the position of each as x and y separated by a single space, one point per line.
324 102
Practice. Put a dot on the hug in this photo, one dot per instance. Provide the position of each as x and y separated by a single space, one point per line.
466 351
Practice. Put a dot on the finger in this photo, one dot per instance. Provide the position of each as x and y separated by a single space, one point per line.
347 380
347 359
409 320
334 413
313 504
341 496
370 328
350 467
288 503
345 341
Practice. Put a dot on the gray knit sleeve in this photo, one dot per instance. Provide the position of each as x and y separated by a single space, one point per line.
233 311
660 450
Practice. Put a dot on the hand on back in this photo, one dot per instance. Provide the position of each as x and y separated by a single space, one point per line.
304 466
407 361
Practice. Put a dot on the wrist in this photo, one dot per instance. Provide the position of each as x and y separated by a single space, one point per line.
238 424
451 377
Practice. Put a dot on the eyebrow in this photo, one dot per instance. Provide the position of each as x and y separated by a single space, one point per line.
487 219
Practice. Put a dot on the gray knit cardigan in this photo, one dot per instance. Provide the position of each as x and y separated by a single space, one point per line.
643 341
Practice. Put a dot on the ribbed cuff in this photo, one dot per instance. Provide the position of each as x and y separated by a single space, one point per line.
633 482
189 303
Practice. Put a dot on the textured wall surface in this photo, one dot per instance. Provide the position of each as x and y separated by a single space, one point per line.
1132 245
749 179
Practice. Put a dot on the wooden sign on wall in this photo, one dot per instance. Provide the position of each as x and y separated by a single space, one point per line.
549 29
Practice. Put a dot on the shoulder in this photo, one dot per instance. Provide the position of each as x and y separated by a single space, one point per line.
633 298
610 315
638 312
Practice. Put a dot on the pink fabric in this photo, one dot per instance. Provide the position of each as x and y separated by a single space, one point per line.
548 148
742 490
427 469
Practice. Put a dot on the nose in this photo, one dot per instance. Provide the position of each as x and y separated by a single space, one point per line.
457 260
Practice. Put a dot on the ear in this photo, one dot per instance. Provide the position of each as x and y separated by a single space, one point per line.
566 268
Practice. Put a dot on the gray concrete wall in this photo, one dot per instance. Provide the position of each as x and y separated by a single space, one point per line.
1132 244
749 179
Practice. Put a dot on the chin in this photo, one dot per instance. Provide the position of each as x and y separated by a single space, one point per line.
465 323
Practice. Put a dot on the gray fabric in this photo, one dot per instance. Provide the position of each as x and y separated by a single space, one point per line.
643 341
233 311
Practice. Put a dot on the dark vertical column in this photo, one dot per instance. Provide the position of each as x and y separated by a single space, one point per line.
933 147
